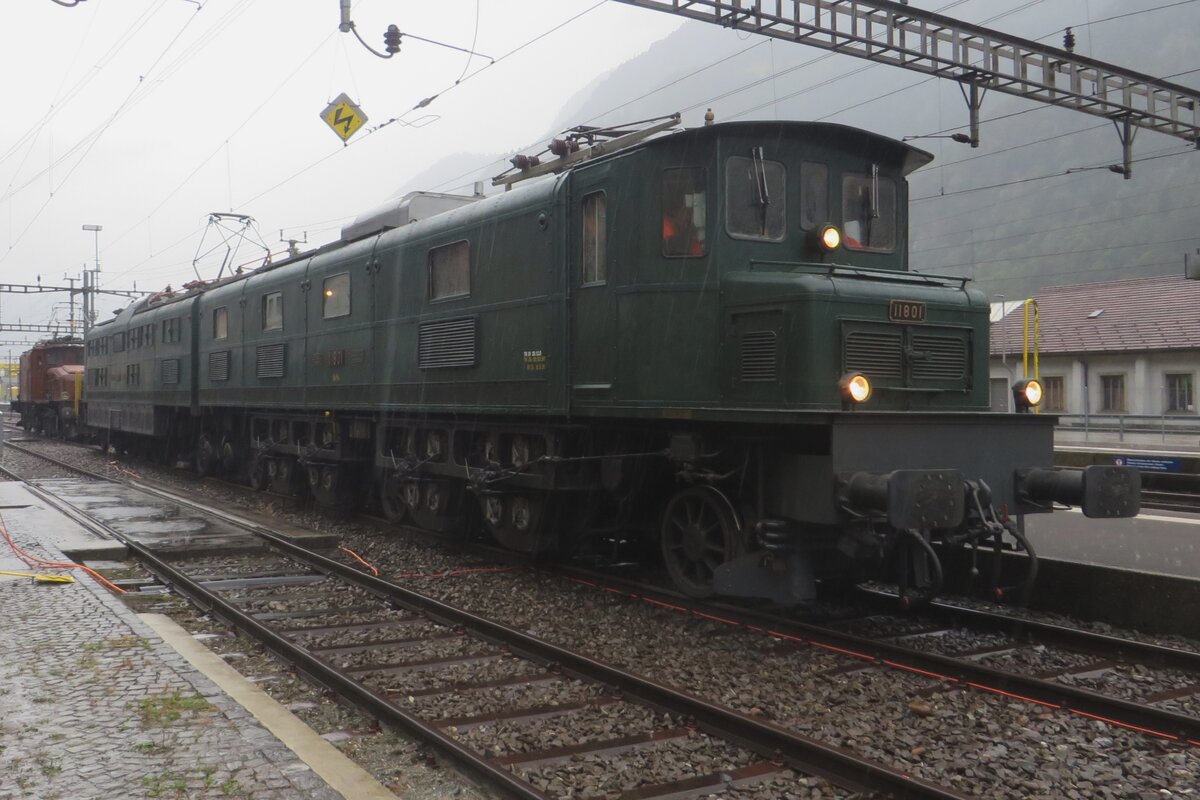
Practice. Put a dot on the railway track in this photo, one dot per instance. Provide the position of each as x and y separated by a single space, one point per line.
898 645
333 622
885 638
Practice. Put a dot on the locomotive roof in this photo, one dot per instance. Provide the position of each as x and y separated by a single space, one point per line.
828 134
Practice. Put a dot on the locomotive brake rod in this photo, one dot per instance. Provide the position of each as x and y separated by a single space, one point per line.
980 58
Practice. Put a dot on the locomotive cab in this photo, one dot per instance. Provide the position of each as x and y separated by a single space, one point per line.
773 294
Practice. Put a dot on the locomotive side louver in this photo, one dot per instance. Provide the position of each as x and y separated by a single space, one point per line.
447 343
218 366
878 354
269 361
939 358
759 356
170 371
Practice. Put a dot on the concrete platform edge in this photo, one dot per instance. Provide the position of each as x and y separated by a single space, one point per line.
342 774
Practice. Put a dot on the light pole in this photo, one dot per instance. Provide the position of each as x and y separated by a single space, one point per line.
89 287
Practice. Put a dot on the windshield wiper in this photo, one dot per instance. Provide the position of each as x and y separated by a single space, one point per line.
760 180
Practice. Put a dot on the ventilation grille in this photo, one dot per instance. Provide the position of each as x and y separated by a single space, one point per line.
268 361
758 356
938 358
218 366
878 354
170 371
450 343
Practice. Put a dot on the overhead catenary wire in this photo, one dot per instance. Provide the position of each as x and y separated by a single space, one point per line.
99 132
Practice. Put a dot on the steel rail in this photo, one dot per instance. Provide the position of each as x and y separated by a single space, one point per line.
1152 654
1158 722
806 755
801 753
308 664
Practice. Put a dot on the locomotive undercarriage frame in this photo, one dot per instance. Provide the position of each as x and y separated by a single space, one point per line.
755 511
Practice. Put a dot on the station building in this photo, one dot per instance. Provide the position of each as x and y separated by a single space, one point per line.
1115 358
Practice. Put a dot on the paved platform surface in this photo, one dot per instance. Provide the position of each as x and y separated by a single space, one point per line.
94 704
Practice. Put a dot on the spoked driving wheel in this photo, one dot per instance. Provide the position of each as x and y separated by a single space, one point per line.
700 532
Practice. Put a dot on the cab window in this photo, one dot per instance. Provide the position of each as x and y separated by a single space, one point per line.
595 235
814 195
684 212
335 296
755 197
868 213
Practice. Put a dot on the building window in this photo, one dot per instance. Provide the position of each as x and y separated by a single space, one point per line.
133 374
1056 399
272 311
450 271
595 235
335 296
1179 393
684 214
1112 391
755 197
220 322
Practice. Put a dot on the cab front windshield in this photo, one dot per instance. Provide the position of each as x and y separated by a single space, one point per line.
868 213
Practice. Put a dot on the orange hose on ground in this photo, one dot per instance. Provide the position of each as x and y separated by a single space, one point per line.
360 560
33 561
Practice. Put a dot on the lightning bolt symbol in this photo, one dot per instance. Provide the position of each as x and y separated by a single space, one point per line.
345 121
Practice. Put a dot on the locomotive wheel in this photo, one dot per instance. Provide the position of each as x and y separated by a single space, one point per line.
207 455
700 532
258 474
523 522
391 497
230 457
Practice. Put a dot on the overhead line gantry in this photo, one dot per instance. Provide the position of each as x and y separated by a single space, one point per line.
978 58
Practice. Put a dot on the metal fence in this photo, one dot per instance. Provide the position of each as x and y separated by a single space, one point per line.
1133 428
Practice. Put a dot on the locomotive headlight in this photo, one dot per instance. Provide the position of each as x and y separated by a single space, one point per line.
856 388
831 238
1027 393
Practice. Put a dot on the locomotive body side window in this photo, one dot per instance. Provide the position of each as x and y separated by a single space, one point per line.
595 239
814 195
220 322
450 271
755 198
684 212
868 213
335 296
272 311
118 340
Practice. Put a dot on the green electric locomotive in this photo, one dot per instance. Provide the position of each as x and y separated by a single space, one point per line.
711 338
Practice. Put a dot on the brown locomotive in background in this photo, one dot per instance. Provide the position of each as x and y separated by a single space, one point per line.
51 387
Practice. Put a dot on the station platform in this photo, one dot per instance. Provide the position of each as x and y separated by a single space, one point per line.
100 702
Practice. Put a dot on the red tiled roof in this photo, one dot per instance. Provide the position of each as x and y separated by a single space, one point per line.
1158 313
